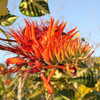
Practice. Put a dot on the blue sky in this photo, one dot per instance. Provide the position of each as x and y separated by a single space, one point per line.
82 13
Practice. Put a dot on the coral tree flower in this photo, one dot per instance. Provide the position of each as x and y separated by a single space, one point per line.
46 46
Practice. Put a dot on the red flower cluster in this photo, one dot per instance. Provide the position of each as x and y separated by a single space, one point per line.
45 47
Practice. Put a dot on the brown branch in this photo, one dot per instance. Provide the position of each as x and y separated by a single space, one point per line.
8 40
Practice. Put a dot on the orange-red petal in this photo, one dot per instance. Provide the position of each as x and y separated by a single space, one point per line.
15 60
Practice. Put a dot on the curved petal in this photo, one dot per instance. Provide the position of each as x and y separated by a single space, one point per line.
15 60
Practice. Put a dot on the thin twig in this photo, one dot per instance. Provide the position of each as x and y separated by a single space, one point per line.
8 40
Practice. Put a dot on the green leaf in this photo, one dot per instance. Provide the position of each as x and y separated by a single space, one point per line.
34 8
1 86
59 98
4 33
66 93
88 78
92 96
7 20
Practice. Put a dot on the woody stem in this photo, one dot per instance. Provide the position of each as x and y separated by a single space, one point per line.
21 81
20 88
